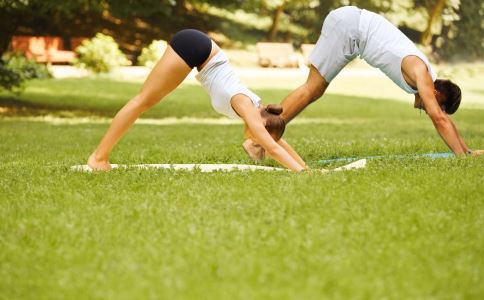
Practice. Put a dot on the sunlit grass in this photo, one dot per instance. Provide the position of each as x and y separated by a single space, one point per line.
399 229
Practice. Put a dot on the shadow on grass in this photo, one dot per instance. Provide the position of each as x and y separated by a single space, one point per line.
11 107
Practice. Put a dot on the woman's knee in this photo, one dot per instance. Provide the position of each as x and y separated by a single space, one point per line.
145 101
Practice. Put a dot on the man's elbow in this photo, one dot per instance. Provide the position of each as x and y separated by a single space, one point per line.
309 93
313 94
439 119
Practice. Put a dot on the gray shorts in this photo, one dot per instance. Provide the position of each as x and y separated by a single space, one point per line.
338 43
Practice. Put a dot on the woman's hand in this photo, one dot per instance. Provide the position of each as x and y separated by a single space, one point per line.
98 164
244 107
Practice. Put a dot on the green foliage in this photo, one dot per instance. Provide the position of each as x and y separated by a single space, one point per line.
464 38
100 54
51 16
140 8
28 68
15 69
69 7
9 79
461 35
152 53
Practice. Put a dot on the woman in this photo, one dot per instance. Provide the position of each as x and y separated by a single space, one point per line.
188 49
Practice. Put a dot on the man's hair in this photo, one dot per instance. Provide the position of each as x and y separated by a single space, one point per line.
275 125
452 94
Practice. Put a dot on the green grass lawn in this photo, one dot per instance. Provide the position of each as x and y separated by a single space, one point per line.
399 229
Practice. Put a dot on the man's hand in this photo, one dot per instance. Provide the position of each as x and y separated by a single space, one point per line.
477 152
255 151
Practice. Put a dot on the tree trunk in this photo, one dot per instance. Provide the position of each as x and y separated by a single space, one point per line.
434 13
275 22
8 23
180 7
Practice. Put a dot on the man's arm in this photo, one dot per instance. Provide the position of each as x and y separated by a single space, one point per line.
461 140
440 119
304 95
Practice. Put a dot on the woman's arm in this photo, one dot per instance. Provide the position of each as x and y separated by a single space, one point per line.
251 116
292 152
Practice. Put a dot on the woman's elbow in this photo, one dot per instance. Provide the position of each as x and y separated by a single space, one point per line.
272 150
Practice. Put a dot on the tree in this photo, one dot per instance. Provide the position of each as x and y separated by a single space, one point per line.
463 38
279 8
434 10
14 13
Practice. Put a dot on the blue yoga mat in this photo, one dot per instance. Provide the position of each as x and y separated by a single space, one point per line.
392 156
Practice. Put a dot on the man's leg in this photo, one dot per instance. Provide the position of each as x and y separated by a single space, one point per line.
310 91
335 48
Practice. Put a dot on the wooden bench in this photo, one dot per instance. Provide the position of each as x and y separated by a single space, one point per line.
276 55
45 49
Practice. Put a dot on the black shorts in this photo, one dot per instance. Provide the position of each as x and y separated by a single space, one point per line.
192 46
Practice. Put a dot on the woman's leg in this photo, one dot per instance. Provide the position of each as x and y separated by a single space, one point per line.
167 74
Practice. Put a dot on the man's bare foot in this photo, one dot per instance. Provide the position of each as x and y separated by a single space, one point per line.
256 152
98 165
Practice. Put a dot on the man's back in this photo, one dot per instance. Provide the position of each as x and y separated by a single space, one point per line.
385 47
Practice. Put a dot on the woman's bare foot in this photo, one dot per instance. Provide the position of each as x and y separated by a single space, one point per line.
256 152
98 164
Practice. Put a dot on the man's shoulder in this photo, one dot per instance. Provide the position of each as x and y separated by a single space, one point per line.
413 64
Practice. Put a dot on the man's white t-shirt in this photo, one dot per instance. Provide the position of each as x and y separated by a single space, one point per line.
384 46
350 31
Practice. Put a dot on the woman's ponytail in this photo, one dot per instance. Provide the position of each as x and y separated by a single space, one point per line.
275 125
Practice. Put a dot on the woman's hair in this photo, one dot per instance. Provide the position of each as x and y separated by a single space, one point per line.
275 125
452 95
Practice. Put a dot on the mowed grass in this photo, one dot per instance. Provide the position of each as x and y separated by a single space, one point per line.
399 229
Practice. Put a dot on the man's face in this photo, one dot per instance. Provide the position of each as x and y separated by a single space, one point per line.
419 104
441 98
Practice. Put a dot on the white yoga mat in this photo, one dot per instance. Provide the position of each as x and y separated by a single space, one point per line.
187 167
213 167
359 164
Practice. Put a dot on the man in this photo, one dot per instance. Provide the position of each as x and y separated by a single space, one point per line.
348 32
